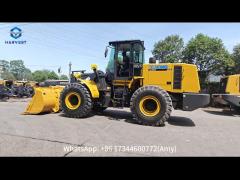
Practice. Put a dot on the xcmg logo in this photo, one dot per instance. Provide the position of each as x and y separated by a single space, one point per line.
16 33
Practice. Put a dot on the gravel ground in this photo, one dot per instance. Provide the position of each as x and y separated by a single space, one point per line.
203 132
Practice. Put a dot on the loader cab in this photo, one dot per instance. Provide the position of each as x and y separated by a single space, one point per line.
126 59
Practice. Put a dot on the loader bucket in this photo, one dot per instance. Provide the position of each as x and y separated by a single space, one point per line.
45 100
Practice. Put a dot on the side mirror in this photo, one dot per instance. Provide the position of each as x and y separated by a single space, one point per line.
106 52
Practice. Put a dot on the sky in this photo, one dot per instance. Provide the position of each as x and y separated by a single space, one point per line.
54 45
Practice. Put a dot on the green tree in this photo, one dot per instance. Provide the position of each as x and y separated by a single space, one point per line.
42 75
17 68
169 50
209 54
236 58
7 75
52 75
28 74
5 65
63 77
39 76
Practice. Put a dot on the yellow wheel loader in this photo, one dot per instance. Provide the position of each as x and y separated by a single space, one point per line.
229 93
150 90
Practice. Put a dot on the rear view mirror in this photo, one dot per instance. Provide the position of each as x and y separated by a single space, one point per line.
106 52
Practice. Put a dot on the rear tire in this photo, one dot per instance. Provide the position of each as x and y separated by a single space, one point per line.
75 101
151 105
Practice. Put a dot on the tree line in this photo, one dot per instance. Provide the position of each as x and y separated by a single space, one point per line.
208 53
16 70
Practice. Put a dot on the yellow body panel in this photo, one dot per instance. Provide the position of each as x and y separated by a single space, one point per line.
165 78
128 83
233 84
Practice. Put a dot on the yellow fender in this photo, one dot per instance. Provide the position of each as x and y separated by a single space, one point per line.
92 86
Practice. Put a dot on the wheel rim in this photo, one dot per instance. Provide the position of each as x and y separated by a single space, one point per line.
149 106
73 100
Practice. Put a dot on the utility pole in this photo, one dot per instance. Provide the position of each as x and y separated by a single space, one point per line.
70 71
59 72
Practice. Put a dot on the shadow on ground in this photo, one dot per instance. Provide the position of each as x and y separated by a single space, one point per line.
223 112
63 115
180 121
120 115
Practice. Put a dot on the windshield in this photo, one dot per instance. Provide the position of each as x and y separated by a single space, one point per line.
110 65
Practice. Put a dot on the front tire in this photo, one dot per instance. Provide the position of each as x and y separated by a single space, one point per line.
151 105
75 101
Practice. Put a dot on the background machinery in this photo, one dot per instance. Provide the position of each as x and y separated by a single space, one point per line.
23 88
10 88
6 88
229 91
150 90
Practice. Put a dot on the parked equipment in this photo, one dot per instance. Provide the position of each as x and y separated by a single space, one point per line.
6 88
23 88
229 93
150 90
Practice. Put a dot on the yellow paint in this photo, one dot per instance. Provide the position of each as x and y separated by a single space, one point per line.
92 86
165 79
45 100
128 83
77 75
143 106
70 98
158 78
94 66
190 79
233 84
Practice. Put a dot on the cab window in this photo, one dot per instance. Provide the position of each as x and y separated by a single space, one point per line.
138 54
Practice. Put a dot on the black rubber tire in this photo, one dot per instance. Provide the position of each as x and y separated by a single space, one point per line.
86 102
161 95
